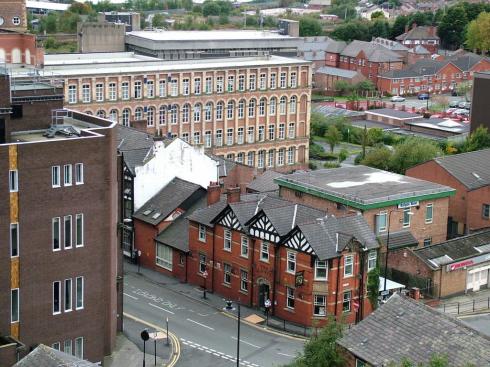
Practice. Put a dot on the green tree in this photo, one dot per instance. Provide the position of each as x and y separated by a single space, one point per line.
478 139
419 18
378 158
377 15
309 26
51 23
379 28
210 8
333 137
158 21
80 8
223 19
67 22
343 87
463 88
398 26
321 350
375 135
451 30
365 87
478 33
411 152
353 30
373 287
343 154
318 123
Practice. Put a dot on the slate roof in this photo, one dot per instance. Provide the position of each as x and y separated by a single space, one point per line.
208 213
362 187
403 327
391 112
457 249
420 50
419 33
335 47
175 235
264 182
177 193
131 139
374 52
321 234
136 158
399 239
389 44
44 356
471 169
328 70
466 61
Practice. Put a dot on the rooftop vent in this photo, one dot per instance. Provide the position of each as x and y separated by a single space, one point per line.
156 215
146 212
64 130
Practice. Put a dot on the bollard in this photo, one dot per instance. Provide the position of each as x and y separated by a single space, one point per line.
284 325
458 308
473 305
444 307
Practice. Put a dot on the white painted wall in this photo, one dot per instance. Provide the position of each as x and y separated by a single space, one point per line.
178 159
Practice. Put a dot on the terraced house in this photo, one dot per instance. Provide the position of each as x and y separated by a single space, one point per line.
258 247
254 110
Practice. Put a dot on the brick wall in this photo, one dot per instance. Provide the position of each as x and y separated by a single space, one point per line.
241 175
475 200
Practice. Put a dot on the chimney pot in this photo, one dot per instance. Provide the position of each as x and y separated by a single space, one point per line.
214 192
233 195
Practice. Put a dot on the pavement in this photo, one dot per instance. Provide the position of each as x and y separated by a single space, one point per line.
466 304
207 335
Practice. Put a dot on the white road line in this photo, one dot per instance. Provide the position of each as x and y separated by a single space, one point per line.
229 356
216 354
198 323
244 342
203 314
208 351
182 339
130 296
284 354
161 308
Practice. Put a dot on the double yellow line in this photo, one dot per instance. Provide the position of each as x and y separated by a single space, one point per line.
172 337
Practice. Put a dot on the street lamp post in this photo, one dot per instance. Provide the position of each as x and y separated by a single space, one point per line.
229 307
145 336
167 332
205 276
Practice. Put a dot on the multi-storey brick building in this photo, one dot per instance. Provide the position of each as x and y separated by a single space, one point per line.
261 247
468 173
414 211
420 35
20 48
254 110
59 254
13 15
432 75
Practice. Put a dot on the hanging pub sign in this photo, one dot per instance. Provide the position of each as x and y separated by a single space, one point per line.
299 278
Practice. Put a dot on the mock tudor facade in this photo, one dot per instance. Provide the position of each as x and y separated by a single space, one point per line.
254 110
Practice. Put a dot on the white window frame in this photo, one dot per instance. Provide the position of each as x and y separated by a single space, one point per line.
125 90
15 291
226 273
150 89
202 233
78 352
67 175
227 239
79 297
291 259
162 88
321 265
79 237
57 312
318 304
348 264
197 86
55 176
56 346
290 298
112 91
406 224
264 251
283 80
386 224
348 299
372 259
79 174
68 347
138 89
72 94
86 93
99 92
165 261
68 295
16 226
53 221
67 218
243 280
13 180
429 220
244 247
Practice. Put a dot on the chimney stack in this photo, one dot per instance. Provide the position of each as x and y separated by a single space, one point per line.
214 192
233 195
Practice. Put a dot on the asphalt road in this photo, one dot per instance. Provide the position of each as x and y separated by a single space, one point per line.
478 322
208 338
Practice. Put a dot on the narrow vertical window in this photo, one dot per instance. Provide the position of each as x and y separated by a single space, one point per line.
55 176
56 230
13 180
244 246
67 175
227 240
67 347
56 297
68 295
14 305
79 296
348 266
79 347
429 213
202 233
79 173
68 237
291 260
79 230
14 239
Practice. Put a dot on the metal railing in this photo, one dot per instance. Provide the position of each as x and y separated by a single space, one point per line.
457 308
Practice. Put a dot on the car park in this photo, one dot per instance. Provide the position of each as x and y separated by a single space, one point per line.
454 104
423 96
465 105
397 99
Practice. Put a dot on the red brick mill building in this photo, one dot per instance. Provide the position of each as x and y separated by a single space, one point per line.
308 264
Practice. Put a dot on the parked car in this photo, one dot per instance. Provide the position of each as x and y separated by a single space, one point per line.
454 93
397 99
465 105
449 111
454 104
423 96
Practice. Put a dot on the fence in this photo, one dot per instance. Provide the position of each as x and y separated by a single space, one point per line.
457 308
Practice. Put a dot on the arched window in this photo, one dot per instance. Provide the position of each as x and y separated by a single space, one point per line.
138 113
241 108
174 112
230 110
282 105
197 112
208 112
251 108
185 113
262 104
219 110
126 115
150 117
163 115
101 113
272 106
113 115
292 104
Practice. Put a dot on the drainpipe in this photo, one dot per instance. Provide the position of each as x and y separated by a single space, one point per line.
360 290
274 280
252 267
212 259
337 288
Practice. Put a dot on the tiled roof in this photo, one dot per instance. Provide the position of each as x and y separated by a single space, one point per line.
131 139
419 33
404 328
207 214
321 234
175 235
137 157
471 169
363 187
284 218
43 356
457 249
328 70
466 61
265 182
335 47
399 239
176 194
374 52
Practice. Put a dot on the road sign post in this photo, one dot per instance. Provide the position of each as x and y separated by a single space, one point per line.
205 276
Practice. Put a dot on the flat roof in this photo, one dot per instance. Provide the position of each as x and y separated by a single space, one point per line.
394 113
32 4
363 187
127 63
216 35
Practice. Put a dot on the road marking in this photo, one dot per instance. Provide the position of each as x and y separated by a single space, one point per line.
161 308
203 314
198 323
284 354
130 296
244 342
